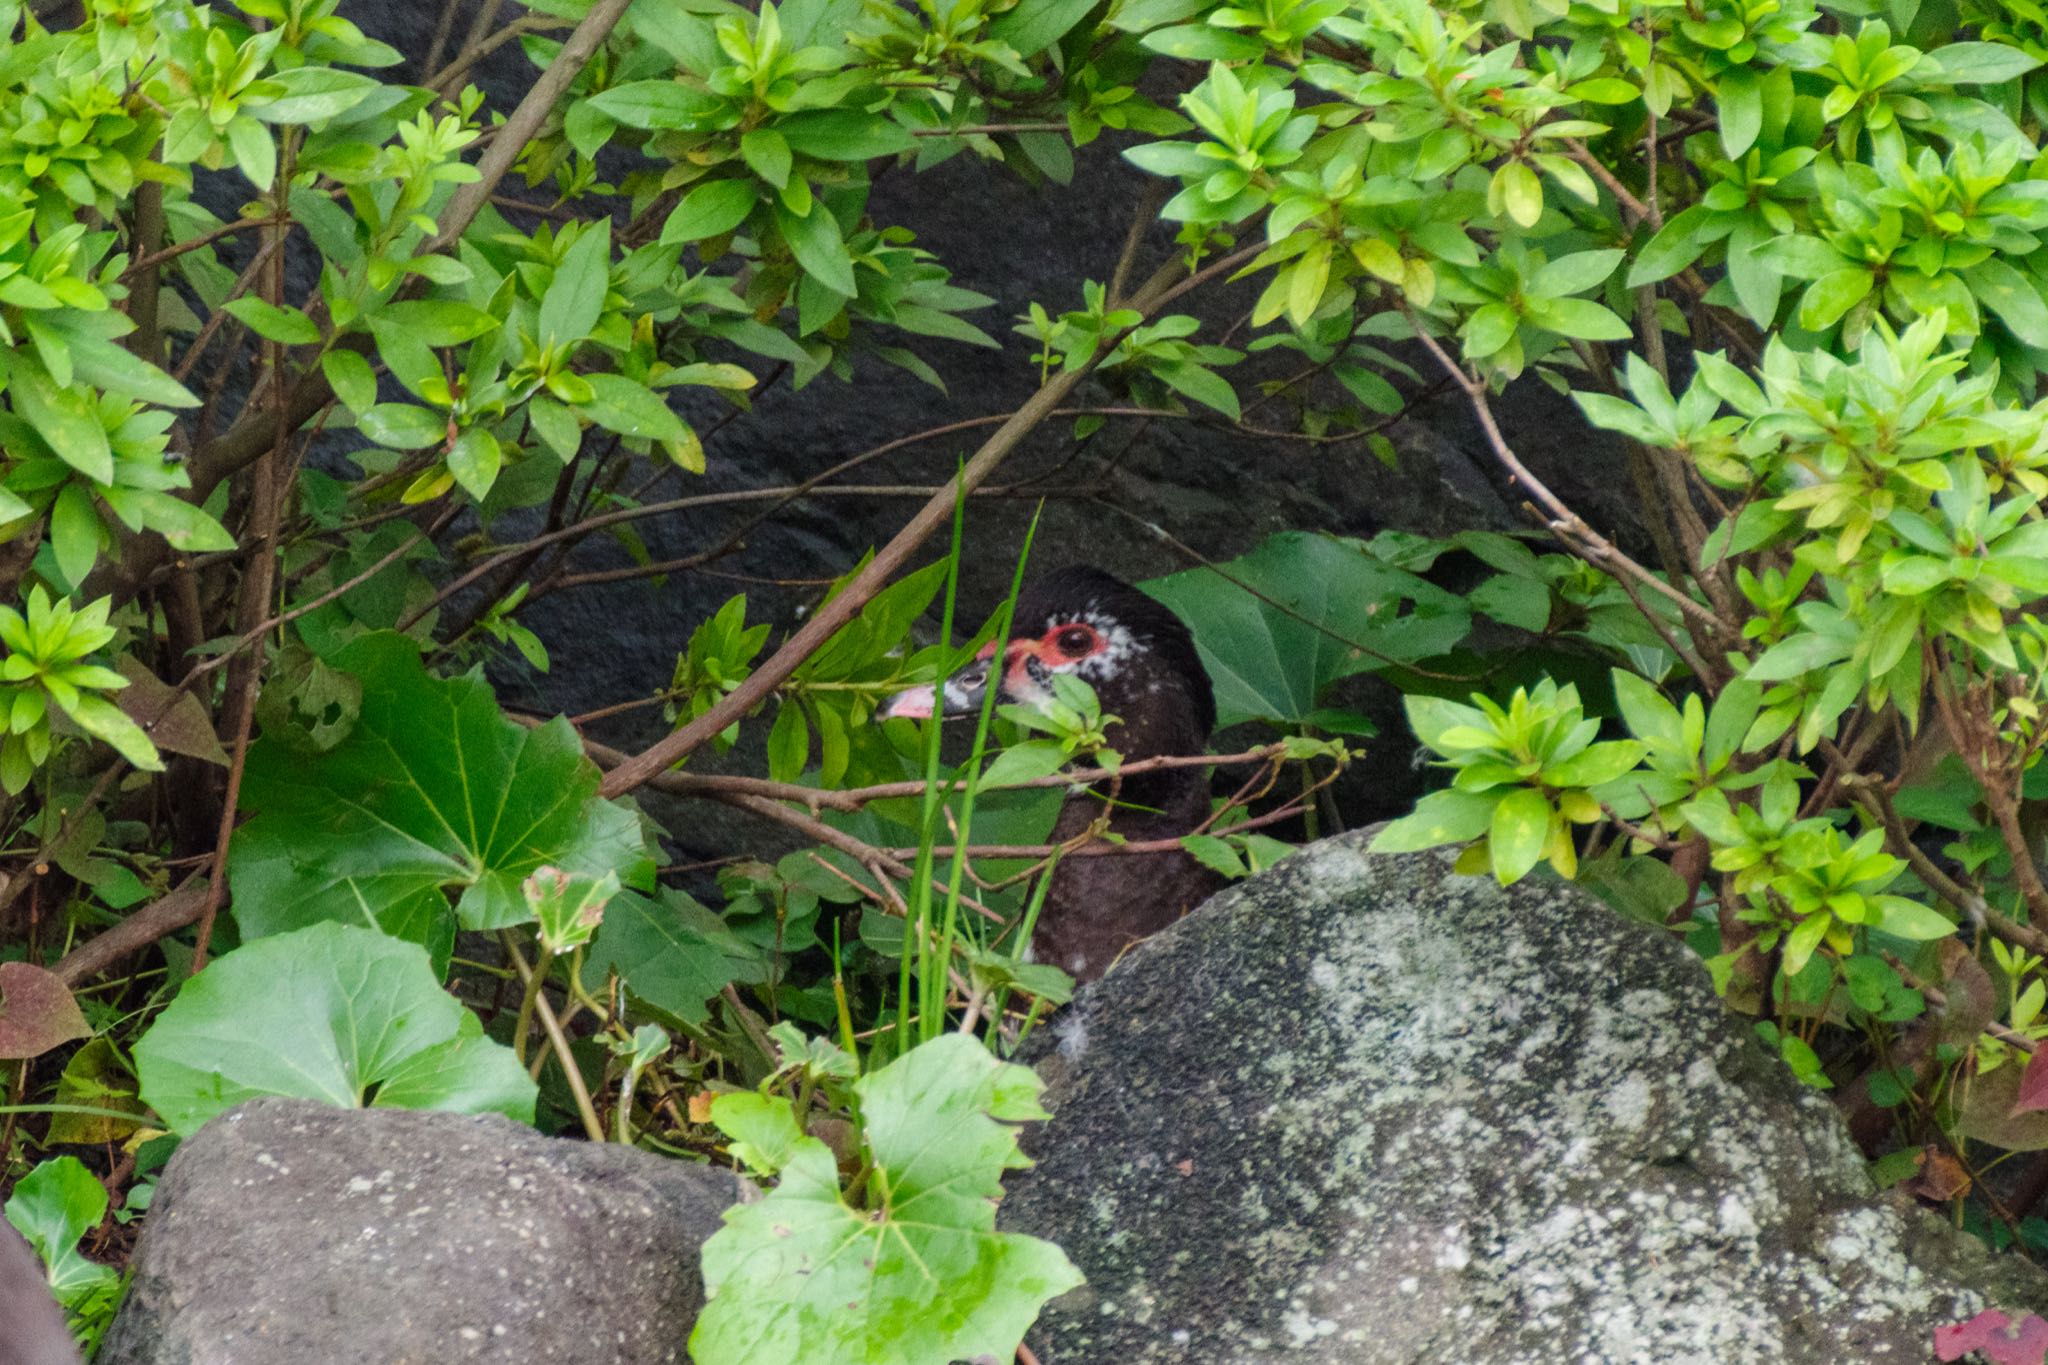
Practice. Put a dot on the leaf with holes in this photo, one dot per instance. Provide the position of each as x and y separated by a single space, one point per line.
342 1015
916 1272
1278 626
433 797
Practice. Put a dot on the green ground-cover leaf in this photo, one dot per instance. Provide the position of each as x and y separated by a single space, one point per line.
53 1206
919 1276
334 1013
672 952
1324 609
433 794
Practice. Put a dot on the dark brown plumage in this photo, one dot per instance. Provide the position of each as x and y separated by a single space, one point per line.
1142 663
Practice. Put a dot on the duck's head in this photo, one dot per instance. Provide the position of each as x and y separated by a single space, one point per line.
1132 650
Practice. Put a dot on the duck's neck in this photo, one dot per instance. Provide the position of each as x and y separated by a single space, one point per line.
1158 720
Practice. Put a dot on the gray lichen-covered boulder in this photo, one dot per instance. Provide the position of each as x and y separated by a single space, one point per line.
1361 1109
287 1233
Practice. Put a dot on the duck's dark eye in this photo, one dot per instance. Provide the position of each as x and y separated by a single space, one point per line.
1076 641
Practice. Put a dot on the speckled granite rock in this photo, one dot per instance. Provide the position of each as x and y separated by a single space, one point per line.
287 1233
1363 1110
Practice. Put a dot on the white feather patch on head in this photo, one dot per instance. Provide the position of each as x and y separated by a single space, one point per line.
1119 644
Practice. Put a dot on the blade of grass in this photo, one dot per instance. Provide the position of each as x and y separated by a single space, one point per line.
917 914
933 1021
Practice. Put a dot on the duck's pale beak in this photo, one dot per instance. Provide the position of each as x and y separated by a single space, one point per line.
959 696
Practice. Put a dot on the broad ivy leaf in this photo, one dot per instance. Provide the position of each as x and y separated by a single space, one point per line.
433 795
53 1206
919 1273
346 1016
1324 609
672 952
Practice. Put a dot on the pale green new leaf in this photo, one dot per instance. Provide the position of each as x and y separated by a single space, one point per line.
919 1273
333 1013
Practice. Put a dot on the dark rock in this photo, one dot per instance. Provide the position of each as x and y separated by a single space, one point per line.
289 1233
31 1325
1362 1110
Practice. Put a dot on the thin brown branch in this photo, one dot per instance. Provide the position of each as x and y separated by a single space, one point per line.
1566 524
158 920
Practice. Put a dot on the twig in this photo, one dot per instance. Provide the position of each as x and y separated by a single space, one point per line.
159 919
556 1038
1568 525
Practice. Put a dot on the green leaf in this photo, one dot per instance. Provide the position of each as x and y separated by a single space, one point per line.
432 793
1203 385
1517 191
1517 834
404 426
53 1206
1215 854
1032 28
844 134
74 532
920 1273
711 208
116 369
351 377
672 953
1576 273
255 151
185 526
333 1013
2013 297
1738 95
1581 318
556 426
1023 762
658 104
1442 817
631 409
1677 245
1980 63
1203 43
1799 655
766 154
1313 609
474 460
286 325
575 296
313 93
105 721
64 417
789 743
816 243
1832 295
1908 919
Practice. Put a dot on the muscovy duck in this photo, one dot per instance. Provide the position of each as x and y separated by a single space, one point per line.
1142 663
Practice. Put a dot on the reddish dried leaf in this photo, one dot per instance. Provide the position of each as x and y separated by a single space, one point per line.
1992 1333
1982 1108
1972 999
174 720
37 1012
1941 1177
2033 1084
